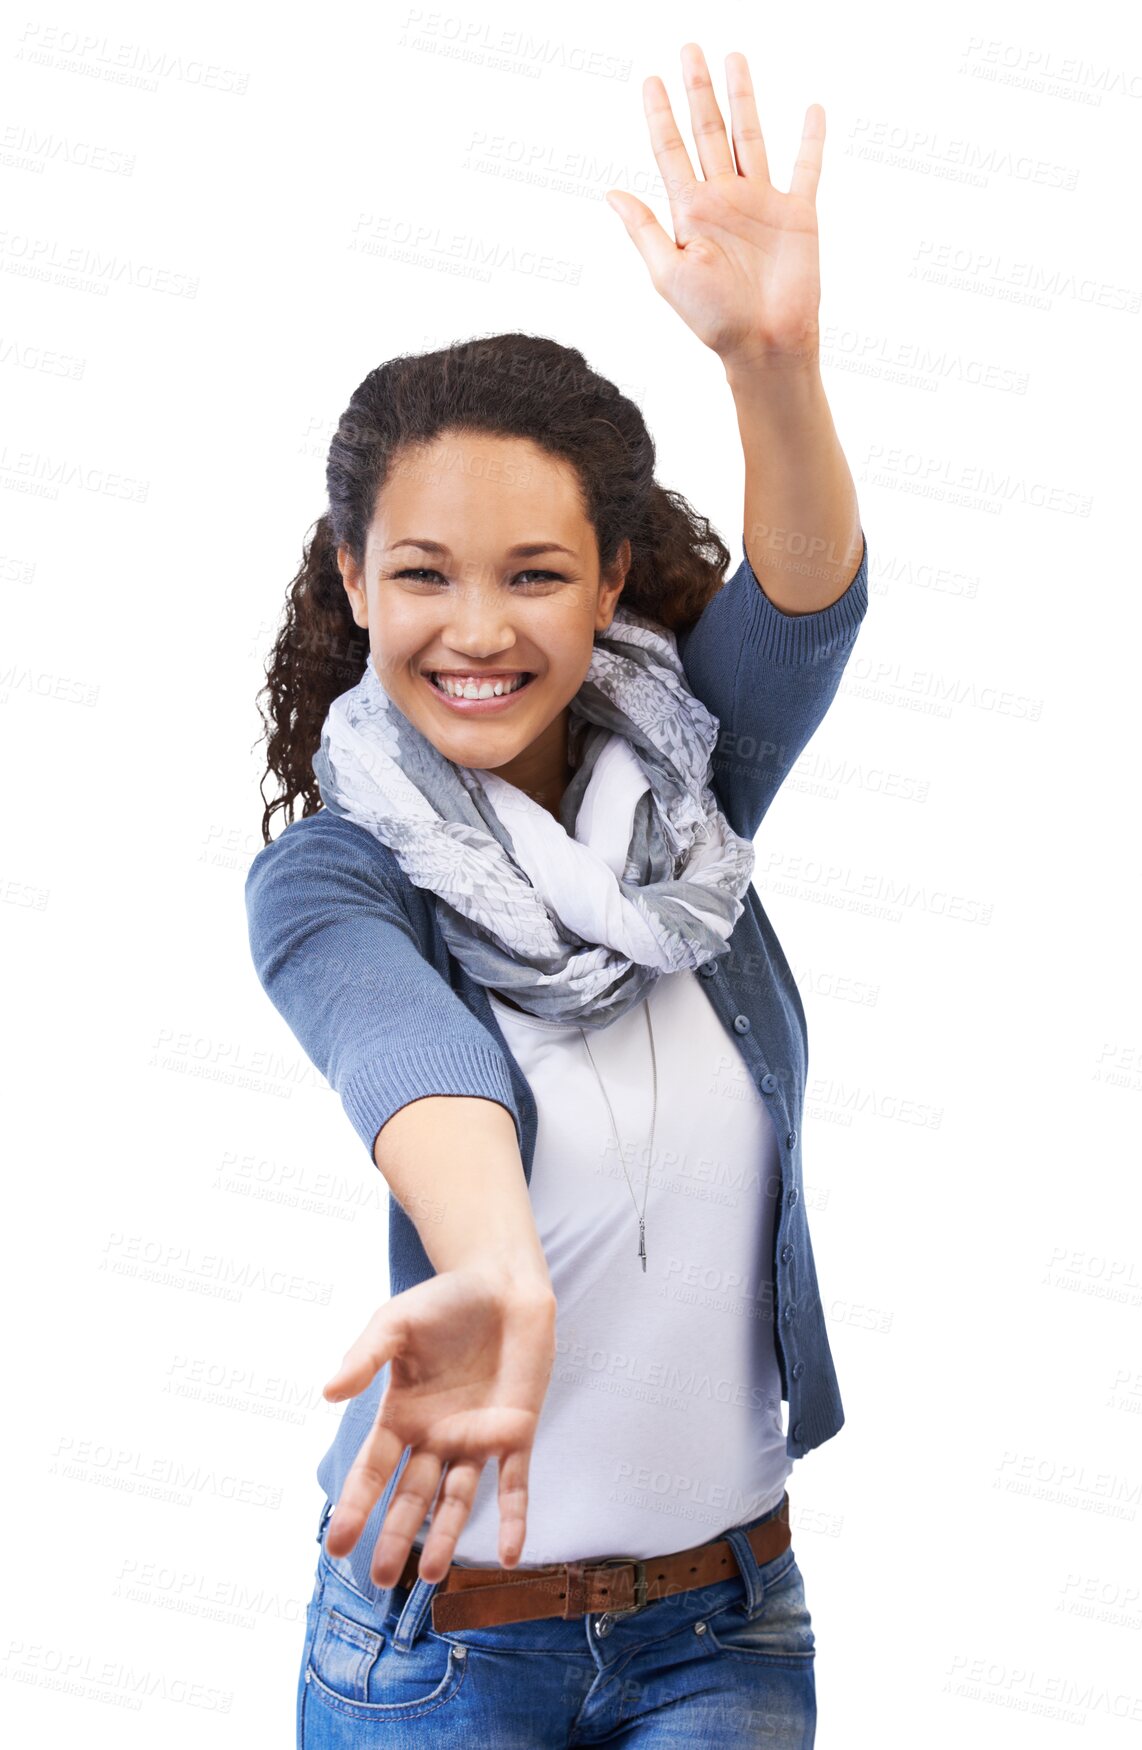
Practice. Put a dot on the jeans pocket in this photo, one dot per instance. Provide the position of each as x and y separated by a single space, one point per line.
781 1627
355 1670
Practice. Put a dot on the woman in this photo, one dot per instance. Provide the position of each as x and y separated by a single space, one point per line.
520 939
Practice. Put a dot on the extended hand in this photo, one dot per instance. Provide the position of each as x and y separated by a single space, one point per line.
471 1361
743 270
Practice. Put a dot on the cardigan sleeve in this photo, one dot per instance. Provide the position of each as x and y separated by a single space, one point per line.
769 677
335 951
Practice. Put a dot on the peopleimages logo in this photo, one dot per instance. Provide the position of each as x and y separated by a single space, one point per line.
665 1375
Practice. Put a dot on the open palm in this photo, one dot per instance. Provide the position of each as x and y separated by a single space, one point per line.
743 267
470 1361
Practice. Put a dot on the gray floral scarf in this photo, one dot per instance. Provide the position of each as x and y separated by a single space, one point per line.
572 919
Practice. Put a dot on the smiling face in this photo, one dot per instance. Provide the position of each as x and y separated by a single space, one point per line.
481 568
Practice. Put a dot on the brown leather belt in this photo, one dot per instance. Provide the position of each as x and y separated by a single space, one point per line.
482 1597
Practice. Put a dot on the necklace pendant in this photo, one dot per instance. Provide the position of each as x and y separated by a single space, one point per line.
642 1242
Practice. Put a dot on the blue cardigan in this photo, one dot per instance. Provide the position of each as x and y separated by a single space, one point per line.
350 954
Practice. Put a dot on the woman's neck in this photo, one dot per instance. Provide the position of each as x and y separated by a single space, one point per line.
544 770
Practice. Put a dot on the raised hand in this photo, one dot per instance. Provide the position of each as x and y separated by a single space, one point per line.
743 267
471 1361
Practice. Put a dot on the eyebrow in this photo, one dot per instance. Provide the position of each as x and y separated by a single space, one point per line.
525 549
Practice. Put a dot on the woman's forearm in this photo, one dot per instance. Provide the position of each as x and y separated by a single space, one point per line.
453 1163
801 519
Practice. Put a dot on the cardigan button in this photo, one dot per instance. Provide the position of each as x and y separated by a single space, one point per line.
796 1430
792 1196
768 1082
786 1254
741 1023
798 1369
708 968
791 1139
789 1313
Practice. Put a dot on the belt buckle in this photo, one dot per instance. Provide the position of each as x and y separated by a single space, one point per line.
639 1582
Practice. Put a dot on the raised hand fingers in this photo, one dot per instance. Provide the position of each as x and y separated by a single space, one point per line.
749 145
670 154
705 116
807 169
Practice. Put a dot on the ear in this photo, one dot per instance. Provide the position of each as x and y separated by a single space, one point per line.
353 579
611 585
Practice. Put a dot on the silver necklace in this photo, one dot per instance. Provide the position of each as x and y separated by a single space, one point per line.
641 1213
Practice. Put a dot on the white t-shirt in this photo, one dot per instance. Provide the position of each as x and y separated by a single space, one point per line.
662 1424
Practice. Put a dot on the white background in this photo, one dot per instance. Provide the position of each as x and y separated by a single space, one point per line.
194 1233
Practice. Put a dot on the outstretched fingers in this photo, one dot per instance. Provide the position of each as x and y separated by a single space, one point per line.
513 1502
406 1513
449 1517
368 1477
382 1338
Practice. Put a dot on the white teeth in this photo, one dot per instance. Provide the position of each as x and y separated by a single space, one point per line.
472 689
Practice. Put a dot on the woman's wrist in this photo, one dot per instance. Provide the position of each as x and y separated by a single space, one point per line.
518 1276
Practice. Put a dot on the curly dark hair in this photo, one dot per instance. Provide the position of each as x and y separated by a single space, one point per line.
505 385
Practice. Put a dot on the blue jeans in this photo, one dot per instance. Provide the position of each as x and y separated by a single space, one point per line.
725 1665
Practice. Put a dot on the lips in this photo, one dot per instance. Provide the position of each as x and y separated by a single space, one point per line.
491 705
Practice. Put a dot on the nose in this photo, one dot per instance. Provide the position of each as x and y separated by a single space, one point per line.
478 625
